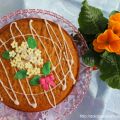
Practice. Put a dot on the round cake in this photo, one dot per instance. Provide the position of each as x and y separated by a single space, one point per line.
39 64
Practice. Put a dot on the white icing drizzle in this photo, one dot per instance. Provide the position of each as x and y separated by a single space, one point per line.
15 101
27 35
32 29
64 85
70 63
59 57
53 105
1 98
34 105
17 29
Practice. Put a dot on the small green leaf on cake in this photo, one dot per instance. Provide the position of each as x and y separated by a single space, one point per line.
21 74
35 80
46 68
31 42
6 55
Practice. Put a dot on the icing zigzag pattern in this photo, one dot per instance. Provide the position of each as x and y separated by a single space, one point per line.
62 55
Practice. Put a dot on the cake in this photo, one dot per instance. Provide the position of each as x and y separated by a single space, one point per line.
39 64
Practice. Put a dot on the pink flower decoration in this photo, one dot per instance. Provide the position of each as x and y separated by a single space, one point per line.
46 81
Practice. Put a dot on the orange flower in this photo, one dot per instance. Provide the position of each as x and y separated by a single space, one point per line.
114 20
107 41
116 29
114 23
96 46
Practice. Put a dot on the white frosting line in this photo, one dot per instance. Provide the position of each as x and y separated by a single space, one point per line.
6 91
34 105
32 29
70 63
53 105
64 85
17 29
1 98
15 101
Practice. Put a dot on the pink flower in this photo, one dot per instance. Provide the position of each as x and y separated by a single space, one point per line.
46 81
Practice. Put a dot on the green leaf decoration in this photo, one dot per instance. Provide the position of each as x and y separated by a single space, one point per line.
21 74
110 69
89 39
91 58
46 68
113 12
91 20
31 42
6 55
35 80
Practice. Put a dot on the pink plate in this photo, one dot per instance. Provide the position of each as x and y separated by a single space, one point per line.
76 96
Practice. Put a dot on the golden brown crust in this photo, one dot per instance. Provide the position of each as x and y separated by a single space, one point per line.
42 102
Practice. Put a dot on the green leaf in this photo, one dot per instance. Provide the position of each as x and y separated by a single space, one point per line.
110 69
6 55
91 20
32 42
89 39
21 74
35 80
46 68
91 58
113 12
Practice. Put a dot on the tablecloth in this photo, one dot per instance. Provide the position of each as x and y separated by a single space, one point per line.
101 102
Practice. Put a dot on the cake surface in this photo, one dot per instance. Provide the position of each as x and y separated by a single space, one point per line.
39 64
